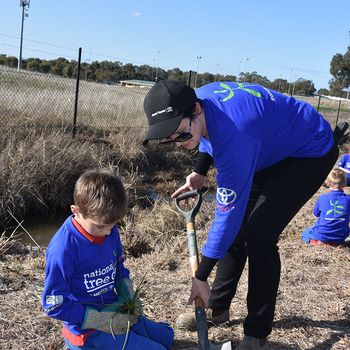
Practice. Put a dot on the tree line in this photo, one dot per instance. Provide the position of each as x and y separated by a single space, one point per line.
113 72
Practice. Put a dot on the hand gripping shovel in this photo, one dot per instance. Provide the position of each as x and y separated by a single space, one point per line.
201 317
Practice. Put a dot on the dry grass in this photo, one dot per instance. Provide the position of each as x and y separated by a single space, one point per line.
39 167
33 95
313 308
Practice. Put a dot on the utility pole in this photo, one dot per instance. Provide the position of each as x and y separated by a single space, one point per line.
239 71
246 69
195 82
156 78
217 72
25 5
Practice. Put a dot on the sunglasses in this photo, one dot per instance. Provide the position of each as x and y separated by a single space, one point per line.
182 137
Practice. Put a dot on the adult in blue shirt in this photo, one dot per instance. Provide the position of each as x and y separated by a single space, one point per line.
272 153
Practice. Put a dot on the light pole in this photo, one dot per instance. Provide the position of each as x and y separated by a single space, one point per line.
246 68
156 78
239 70
217 71
154 69
25 5
290 84
195 82
280 84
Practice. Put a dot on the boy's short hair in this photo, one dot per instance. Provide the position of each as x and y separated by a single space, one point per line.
101 194
336 178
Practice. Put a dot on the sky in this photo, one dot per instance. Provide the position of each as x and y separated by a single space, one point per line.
277 39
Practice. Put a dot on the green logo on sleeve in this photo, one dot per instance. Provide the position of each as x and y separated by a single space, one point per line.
230 91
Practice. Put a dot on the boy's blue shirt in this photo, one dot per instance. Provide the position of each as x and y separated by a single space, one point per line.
251 128
80 273
344 162
333 212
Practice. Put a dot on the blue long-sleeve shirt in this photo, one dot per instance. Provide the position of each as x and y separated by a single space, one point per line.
80 273
249 129
344 162
333 212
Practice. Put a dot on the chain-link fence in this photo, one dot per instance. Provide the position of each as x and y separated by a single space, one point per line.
50 100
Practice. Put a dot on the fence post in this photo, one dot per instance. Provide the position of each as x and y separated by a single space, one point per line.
76 94
189 78
318 105
336 122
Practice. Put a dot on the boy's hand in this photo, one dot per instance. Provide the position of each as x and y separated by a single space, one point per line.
111 322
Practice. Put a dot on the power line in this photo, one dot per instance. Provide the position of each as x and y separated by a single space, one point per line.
41 51
38 42
71 49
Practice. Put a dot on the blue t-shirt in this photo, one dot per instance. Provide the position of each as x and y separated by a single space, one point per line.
80 273
344 162
333 212
251 128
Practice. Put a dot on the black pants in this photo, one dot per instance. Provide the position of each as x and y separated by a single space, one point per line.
277 195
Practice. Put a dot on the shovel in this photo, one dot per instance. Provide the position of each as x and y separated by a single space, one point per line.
201 317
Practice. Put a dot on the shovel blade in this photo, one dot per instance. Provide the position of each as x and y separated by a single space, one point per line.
217 346
223 346
202 331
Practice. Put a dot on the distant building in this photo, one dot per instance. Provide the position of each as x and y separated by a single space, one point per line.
137 83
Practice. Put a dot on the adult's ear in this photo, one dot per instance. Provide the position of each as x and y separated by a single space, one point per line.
197 108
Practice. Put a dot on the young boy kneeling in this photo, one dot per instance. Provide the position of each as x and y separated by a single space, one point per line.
333 212
86 283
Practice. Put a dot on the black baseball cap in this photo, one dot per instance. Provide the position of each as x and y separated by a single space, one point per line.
164 105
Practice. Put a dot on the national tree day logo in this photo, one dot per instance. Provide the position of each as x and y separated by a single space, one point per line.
230 91
335 209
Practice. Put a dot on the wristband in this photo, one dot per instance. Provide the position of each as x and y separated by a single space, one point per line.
205 267
203 163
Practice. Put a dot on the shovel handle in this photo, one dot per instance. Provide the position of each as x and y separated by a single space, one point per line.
190 214
193 256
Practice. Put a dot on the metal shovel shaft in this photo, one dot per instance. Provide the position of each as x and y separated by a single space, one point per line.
201 317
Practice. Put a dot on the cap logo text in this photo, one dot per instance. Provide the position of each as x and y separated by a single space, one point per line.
166 110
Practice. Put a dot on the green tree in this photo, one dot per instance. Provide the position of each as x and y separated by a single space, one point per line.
304 87
177 74
58 65
45 67
145 72
34 64
323 92
340 69
205 78
9 61
280 85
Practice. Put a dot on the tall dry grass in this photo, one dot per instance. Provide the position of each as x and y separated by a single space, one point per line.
50 98
39 166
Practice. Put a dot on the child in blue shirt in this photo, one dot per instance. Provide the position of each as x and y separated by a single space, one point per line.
333 212
86 282
344 164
